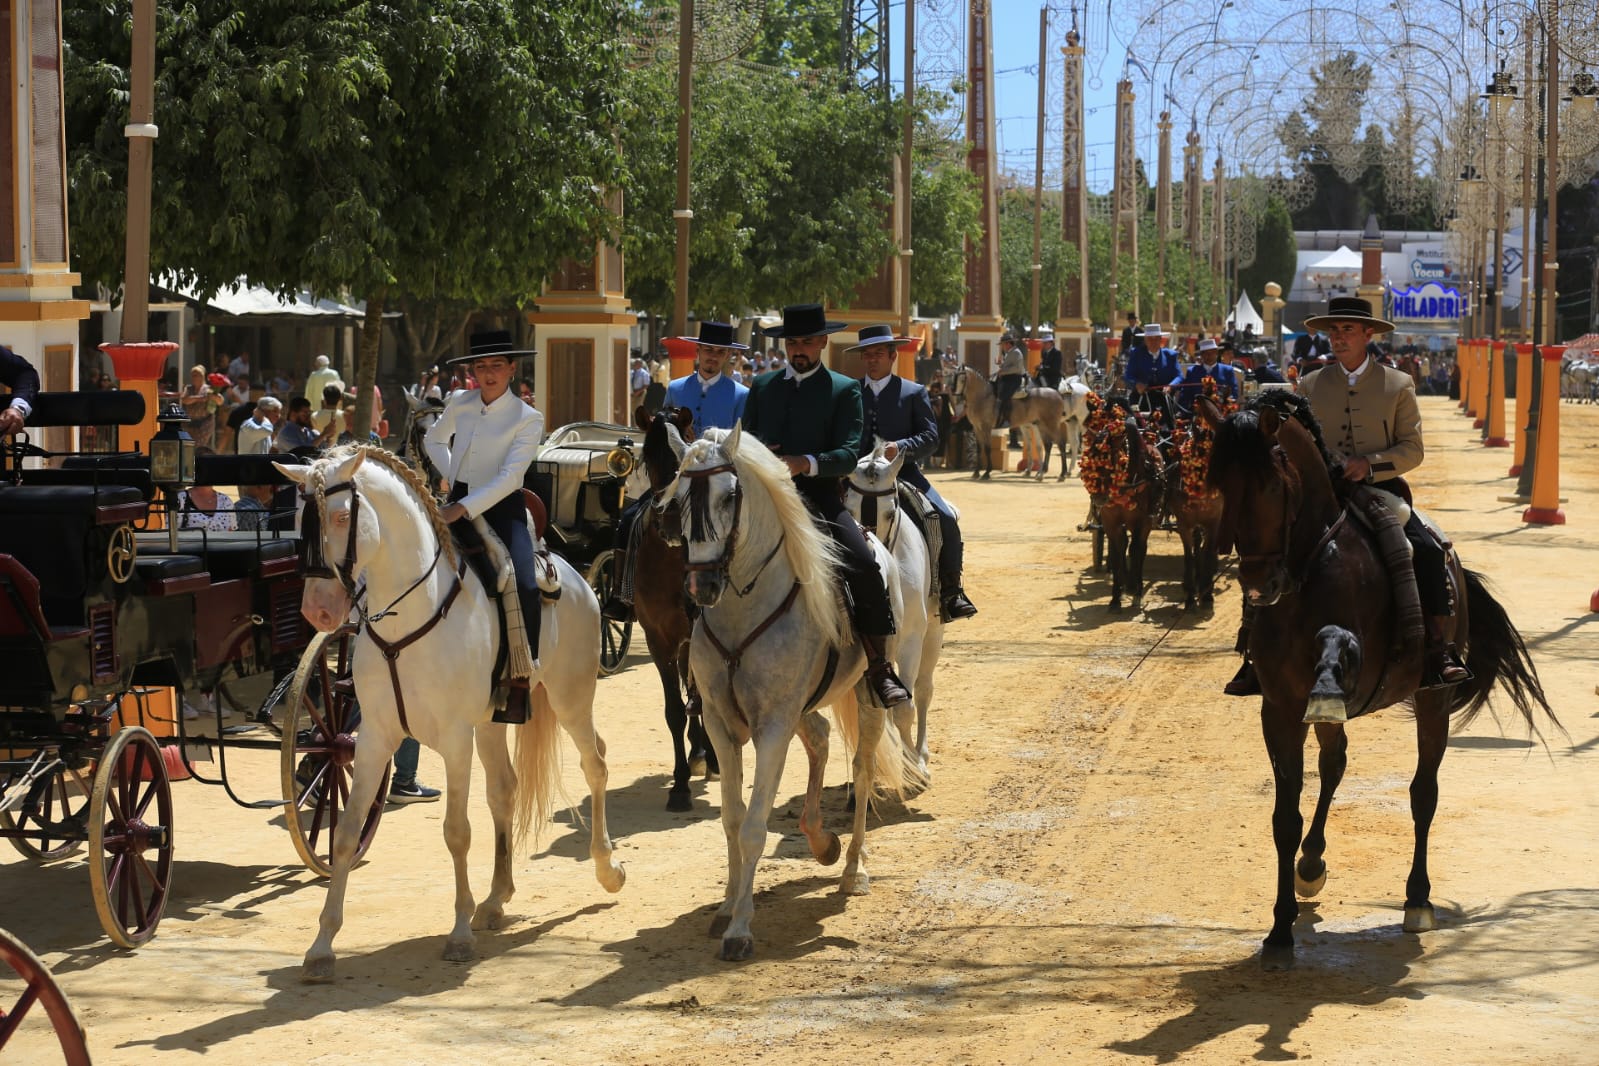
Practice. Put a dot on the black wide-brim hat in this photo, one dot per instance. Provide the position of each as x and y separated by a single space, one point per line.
1348 309
717 335
872 336
490 342
804 320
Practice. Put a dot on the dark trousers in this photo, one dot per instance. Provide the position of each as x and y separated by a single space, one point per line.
1005 387
1427 558
874 617
952 550
508 519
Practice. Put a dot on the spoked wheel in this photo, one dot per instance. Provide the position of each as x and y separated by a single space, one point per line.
38 986
321 720
614 636
55 816
130 837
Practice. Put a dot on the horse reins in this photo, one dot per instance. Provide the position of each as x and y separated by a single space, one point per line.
1294 575
869 519
344 574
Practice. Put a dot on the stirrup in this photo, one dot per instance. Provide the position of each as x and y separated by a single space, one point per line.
1244 682
886 685
956 606
515 710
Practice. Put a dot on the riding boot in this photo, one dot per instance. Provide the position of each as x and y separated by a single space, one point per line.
886 685
955 605
516 701
616 608
1244 682
1441 665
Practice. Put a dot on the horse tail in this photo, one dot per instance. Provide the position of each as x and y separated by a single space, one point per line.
1497 655
895 771
538 768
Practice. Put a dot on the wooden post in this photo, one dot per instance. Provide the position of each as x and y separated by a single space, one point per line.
1545 509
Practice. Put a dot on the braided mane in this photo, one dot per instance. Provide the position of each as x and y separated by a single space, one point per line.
409 477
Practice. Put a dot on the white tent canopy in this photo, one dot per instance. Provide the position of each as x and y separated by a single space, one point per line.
243 299
1244 316
1340 262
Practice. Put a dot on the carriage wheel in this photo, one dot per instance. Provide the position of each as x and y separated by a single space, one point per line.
321 721
614 636
56 821
130 837
38 986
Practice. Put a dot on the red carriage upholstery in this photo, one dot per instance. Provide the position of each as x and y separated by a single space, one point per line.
20 612
535 508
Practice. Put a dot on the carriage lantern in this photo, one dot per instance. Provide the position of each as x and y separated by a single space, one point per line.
172 463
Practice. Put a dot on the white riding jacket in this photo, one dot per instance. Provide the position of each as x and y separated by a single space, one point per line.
488 447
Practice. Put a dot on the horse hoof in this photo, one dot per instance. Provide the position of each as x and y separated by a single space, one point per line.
719 924
459 951
487 917
1277 958
317 971
985 475
1420 919
856 884
830 856
1310 888
697 766
1115 607
679 799
736 948
612 877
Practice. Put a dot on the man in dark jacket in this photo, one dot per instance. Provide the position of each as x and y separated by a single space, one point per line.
1051 365
811 418
18 375
899 412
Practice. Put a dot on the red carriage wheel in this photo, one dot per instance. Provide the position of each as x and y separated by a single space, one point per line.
130 837
321 721
54 820
38 986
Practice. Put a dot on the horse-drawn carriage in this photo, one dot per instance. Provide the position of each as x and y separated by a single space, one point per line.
101 616
584 474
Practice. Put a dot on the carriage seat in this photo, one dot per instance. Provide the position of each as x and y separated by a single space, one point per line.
536 511
103 504
171 575
230 559
21 613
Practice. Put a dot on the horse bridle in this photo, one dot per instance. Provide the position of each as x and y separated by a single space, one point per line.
869 498
723 563
1292 576
316 565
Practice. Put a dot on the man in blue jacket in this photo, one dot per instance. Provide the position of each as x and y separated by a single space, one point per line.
18 375
900 412
1191 385
717 402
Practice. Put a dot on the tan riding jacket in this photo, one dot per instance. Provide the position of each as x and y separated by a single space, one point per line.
1376 419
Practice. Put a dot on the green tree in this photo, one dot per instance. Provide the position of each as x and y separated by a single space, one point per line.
1059 258
945 212
377 151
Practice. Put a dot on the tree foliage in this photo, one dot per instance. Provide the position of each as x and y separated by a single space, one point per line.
1276 253
1059 258
945 211
377 150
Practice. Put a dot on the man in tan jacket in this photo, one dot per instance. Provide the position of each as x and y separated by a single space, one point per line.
1368 414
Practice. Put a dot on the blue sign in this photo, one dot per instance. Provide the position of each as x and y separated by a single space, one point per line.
1431 302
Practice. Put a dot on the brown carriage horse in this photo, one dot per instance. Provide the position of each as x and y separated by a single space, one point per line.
1132 480
1322 639
662 611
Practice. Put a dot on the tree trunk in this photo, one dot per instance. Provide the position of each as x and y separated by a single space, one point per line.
366 367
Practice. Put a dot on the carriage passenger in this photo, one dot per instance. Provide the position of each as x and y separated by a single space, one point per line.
1190 385
717 402
900 412
1150 367
811 418
18 375
484 443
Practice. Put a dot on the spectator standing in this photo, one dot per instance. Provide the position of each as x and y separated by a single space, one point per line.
240 366
200 402
255 434
319 379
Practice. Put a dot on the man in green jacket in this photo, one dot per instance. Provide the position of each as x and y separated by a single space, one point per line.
811 418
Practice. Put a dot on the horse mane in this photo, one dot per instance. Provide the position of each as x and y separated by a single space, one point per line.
409 478
658 451
810 553
1240 445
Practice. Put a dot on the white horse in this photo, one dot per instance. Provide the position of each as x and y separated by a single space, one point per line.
370 516
771 645
920 625
1074 393
1578 378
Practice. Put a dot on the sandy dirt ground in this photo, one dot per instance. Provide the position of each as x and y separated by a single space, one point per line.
1087 880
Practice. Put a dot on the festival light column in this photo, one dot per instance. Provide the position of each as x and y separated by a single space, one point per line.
981 320
1123 230
1074 328
1193 212
1163 306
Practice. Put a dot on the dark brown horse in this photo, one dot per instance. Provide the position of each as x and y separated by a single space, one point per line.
1322 641
1133 485
1196 512
662 612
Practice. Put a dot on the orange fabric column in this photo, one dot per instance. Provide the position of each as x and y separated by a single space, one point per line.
1112 346
680 352
1479 384
1524 358
1545 509
138 366
1463 362
1496 396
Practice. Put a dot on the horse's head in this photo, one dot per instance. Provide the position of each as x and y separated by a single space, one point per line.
872 491
1261 497
337 535
666 433
706 494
